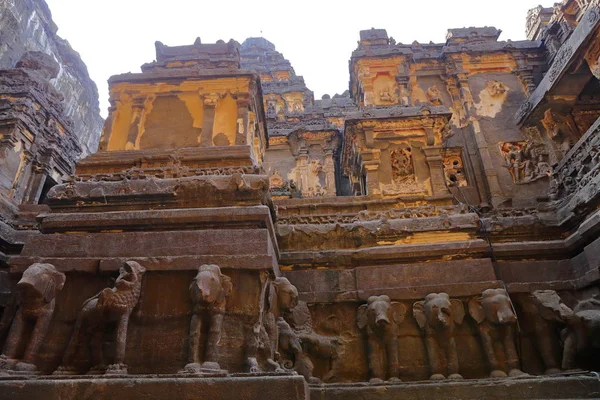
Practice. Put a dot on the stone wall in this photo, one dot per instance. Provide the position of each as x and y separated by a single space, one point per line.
27 26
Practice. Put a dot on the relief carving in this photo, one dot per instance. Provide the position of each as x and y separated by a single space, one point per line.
209 292
380 318
525 161
110 305
386 95
437 316
38 289
281 296
434 96
496 321
582 325
403 174
313 345
454 169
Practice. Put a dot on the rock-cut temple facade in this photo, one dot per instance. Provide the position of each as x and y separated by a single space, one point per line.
431 231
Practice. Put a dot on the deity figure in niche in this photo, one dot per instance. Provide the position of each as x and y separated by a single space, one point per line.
387 96
434 96
402 165
271 107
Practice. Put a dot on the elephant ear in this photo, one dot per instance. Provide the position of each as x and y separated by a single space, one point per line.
398 312
54 284
226 285
476 309
419 313
458 311
361 317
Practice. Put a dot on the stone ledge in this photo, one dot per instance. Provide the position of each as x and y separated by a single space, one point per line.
156 388
564 387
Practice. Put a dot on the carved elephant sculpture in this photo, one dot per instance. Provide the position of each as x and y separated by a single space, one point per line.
545 316
381 317
110 305
437 316
209 292
281 296
496 320
581 325
37 289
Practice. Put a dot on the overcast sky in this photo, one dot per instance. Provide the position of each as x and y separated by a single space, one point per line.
317 36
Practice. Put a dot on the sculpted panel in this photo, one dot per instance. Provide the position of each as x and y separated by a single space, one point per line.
38 289
111 305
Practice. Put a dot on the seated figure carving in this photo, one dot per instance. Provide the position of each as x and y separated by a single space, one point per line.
209 292
38 289
110 305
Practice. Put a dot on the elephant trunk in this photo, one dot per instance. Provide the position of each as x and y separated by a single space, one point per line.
506 317
382 321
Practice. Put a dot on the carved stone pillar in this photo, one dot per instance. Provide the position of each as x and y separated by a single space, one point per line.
371 161
403 91
36 183
302 170
592 57
433 156
137 115
210 105
243 103
15 191
329 170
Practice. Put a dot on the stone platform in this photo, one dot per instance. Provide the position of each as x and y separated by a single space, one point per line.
155 388
266 387
564 387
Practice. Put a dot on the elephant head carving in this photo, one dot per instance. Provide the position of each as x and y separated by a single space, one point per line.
380 313
38 288
210 286
437 316
381 316
283 296
40 282
493 306
438 311
493 311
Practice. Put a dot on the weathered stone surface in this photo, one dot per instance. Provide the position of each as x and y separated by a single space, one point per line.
28 26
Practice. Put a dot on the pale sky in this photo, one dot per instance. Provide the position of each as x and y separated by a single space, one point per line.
318 37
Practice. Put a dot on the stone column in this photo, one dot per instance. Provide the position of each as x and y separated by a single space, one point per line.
36 183
210 105
329 170
137 114
370 163
302 170
243 103
433 156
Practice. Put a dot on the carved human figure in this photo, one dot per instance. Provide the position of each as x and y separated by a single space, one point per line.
209 292
581 332
437 316
496 319
37 289
281 296
110 305
380 318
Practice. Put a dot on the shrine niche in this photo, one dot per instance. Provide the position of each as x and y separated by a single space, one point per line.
311 172
434 96
397 151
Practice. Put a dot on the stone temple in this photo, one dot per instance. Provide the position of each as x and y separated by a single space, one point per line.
432 232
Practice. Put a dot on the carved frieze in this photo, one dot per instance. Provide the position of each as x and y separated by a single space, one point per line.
525 161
